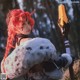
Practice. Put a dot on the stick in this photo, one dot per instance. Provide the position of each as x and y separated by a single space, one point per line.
64 26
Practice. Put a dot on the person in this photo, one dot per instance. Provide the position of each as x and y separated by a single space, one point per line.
34 57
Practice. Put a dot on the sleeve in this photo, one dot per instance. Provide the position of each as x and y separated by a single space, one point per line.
64 60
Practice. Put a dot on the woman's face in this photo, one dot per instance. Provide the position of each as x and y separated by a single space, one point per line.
25 29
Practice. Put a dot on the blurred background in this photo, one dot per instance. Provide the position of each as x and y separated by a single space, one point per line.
46 19
46 22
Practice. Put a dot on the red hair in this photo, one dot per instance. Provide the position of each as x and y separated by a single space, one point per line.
15 20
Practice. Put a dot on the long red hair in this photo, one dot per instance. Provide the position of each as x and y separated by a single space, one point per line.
15 20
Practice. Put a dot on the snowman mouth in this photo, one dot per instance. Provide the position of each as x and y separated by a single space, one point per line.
46 66
37 72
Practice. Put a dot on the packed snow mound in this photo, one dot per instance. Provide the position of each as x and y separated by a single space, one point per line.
28 54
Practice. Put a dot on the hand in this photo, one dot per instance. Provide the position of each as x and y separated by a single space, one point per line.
68 58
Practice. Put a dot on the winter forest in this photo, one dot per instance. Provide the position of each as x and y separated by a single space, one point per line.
46 25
